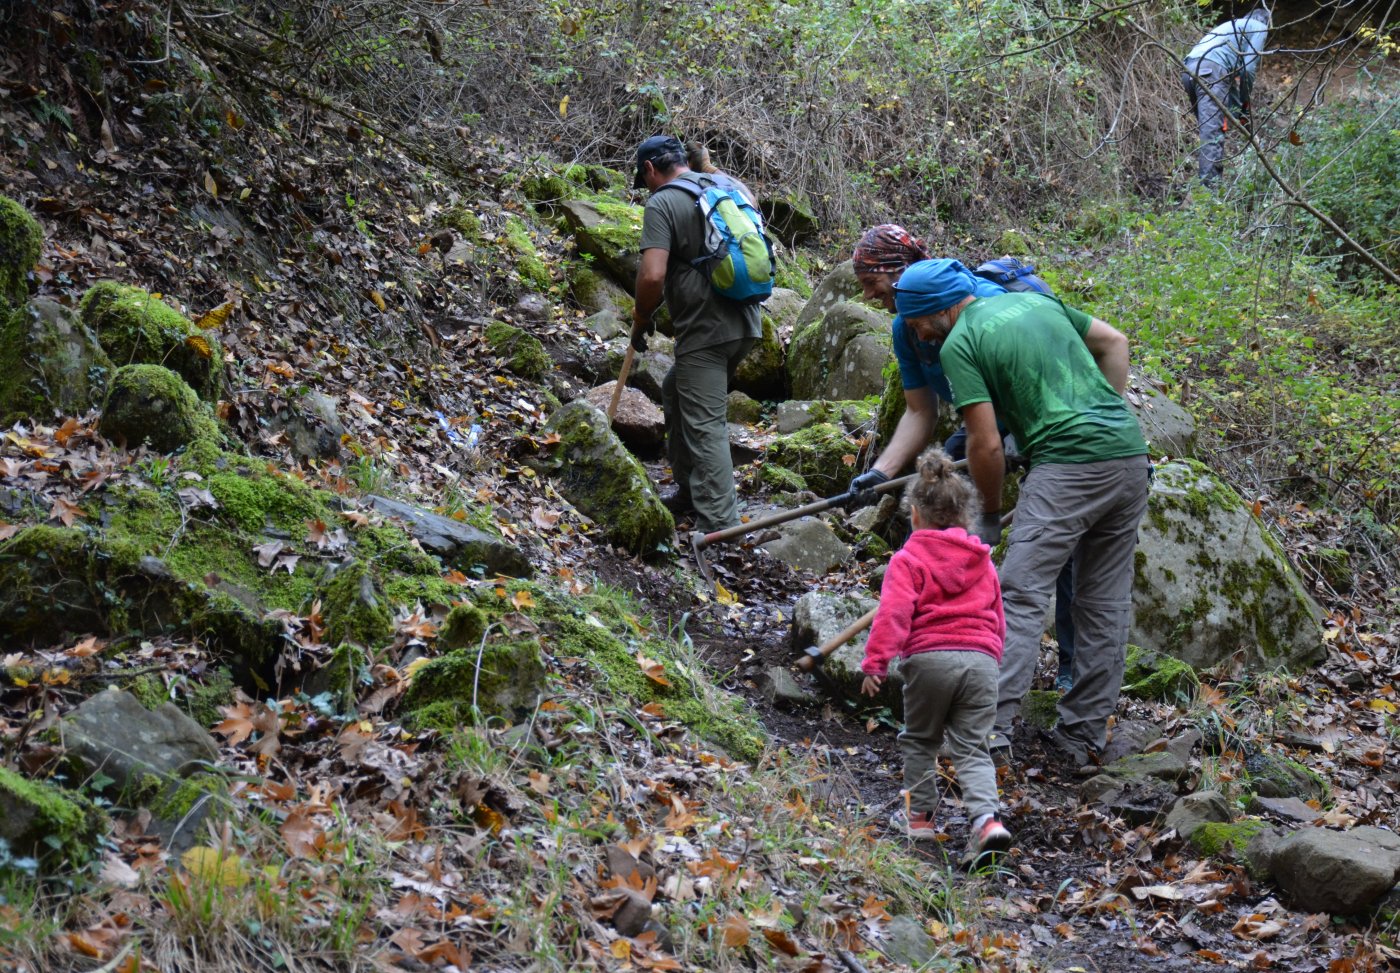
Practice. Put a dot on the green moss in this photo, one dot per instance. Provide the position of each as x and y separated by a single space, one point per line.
354 610
46 821
1040 708
790 275
463 628
505 682
1226 841
21 241
740 408
621 229
892 406
528 265
1013 243
172 798
458 217
151 404
818 454
346 672
872 545
1153 675
780 478
136 328
761 371
149 690
255 500
422 589
48 363
523 353
202 702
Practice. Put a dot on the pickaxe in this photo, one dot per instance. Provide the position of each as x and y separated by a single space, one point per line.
815 655
699 541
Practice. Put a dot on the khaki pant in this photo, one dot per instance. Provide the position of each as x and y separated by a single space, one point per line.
695 397
949 694
1090 511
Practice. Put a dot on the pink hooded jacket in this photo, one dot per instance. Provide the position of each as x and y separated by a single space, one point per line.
940 592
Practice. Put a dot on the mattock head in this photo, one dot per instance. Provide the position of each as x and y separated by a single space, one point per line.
697 547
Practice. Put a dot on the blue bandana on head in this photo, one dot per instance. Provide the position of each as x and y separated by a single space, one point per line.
930 286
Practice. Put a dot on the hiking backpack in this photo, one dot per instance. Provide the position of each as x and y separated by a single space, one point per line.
1014 276
737 255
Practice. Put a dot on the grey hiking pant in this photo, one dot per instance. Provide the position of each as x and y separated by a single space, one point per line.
1091 511
1210 120
949 694
694 395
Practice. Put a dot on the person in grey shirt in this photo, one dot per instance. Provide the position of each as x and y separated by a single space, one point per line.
1223 63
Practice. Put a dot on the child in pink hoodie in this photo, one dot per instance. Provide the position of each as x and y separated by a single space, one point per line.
940 612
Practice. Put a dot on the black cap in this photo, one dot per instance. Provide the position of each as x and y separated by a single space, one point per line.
656 147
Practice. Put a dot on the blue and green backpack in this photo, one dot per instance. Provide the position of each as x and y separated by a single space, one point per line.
1014 276
737 255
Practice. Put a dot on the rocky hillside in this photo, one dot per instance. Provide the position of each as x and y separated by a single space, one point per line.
342 631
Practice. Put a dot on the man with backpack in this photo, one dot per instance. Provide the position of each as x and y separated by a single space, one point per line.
712 299
881 256
1219 77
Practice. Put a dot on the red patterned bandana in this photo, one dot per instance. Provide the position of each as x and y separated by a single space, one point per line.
887 249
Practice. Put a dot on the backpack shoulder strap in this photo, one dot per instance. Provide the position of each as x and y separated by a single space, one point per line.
693 187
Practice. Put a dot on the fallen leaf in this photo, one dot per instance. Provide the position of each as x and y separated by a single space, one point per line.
302 835
267 553
88 646
210 186
522 600
653 670
724 596
734 931
215 867
214 317
200 345
65 511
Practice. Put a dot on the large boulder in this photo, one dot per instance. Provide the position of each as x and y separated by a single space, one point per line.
839 285
638 421
151 404
1194 810
1209 583
784 306
610 232
823 454
595 472
809 544
596 293
648 368
138 328
841 356
761 374
21 241
312 426
820 616
112 733
789 217
1167 427
49 363
499 679
1341 872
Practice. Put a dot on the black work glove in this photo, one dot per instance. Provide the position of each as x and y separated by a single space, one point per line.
989 529
639 334
861 492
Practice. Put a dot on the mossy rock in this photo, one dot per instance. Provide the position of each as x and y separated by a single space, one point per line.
1152 675
598 294
355 610
346 673
842 355
608 231
467 224
819 454
1270 775
790 217
1041 708
44 821
555 184
789 274
21 242
137 328
778 477
528 264
740 408
522 352
152 404
760 373
49 363
597 474
501 679
1226 841
463 628
1013 243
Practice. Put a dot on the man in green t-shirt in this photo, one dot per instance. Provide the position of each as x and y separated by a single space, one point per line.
1055 376
713 334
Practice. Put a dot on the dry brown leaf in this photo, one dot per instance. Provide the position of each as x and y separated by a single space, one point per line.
734 931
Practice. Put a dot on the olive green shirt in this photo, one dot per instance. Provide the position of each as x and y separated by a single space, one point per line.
1025 354
701 315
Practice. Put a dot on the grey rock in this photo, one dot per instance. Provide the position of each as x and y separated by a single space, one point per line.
790 217
603 296
761 373
638 421
459 544
840 285
1208 583
1259 852
795 414
113 734
612 236
1272 775
607 324
633 914
1136 799
623 864
648 368
1162 766
741 409
781 688
820 616
1167 427
1340 872
313 427
1283 808
63 362
784 307
841 356
1184 744
809 544
1129 737
1194 810
907 943
532 307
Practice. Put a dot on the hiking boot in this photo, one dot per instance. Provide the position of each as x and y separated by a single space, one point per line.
678 502
916 825
986 842
1081 759
999 746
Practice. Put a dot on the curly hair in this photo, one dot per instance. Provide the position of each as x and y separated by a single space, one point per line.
941 496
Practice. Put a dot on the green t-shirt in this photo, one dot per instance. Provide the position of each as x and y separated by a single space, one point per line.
1025 354
701 315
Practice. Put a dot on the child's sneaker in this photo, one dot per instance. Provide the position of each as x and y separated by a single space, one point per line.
990 839
917 825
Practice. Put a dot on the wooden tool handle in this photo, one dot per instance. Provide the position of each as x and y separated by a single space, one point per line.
809 662
621 381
